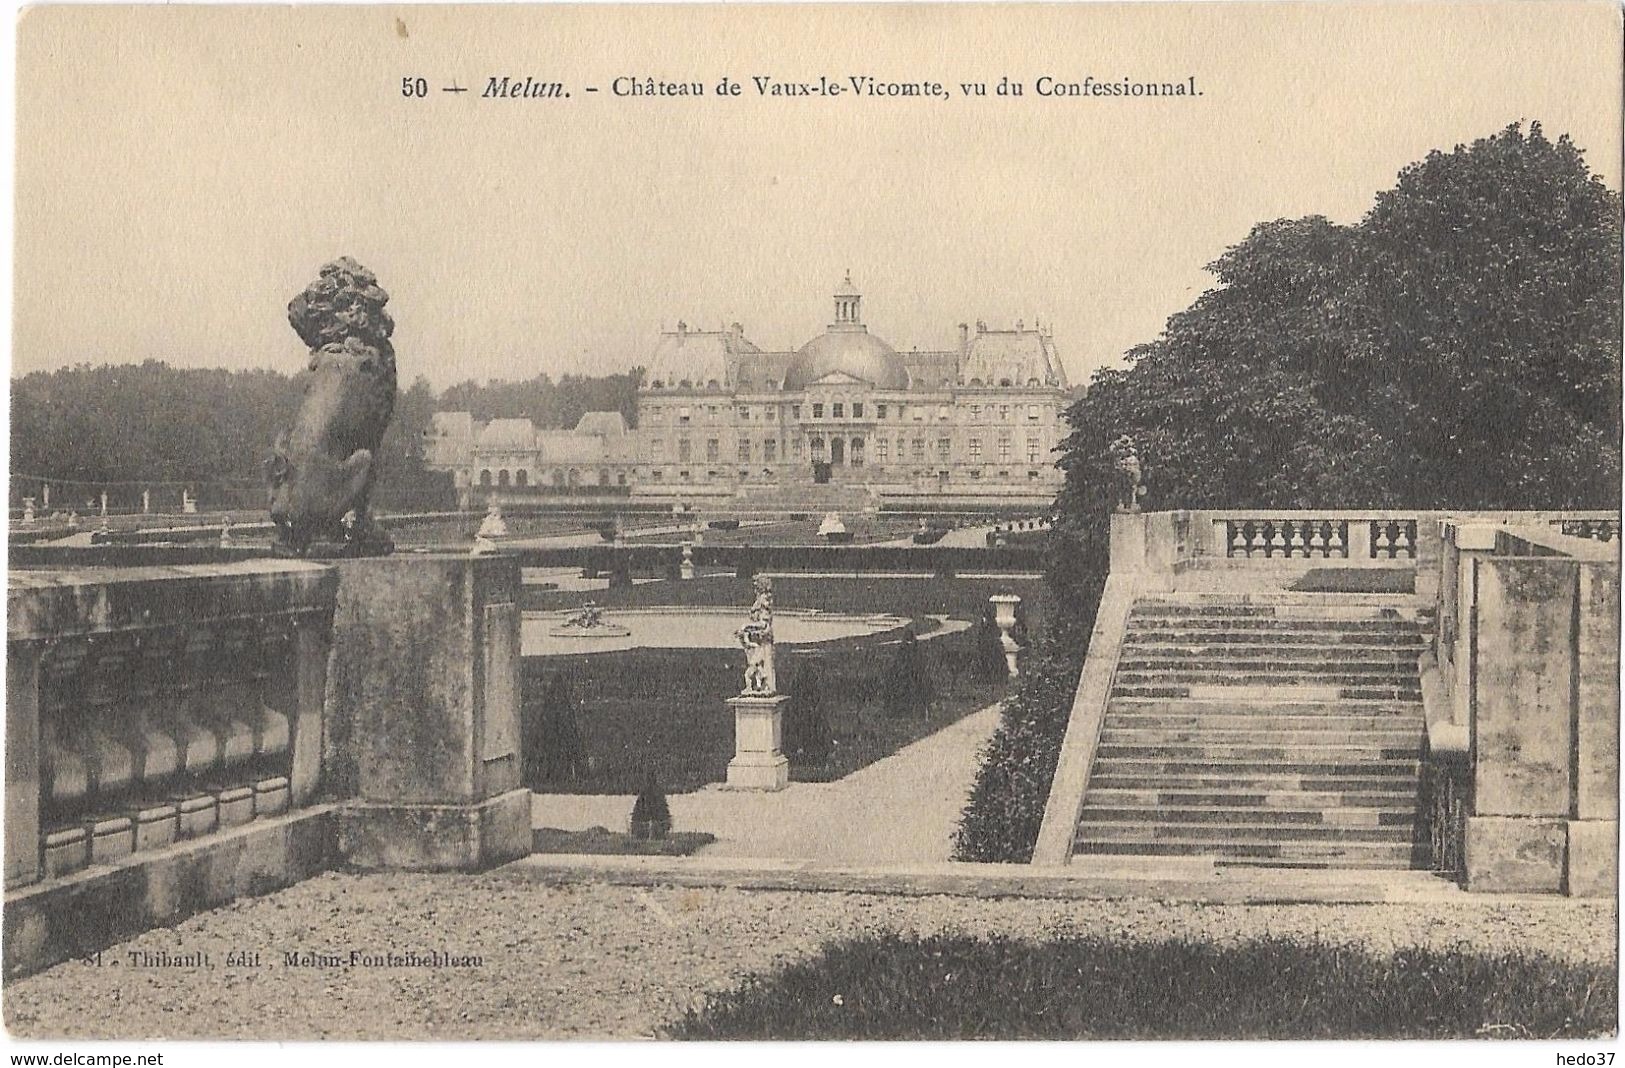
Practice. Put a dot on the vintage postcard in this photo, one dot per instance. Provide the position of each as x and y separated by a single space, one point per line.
829 521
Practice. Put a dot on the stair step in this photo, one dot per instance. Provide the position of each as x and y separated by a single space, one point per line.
1151 624
1204 706
1219 634
1322 769
1321 611
1262 720
1289 740
1254 691
1286 597
1265 659
1269 654
1395 799
1307 750
1362 854
1264 833
1241 675
1105 778
1228 815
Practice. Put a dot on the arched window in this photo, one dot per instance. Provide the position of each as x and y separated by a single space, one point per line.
502 477
974 382
712 384
657 384
522 478
686 384
603 478
485 478
558 477
817 447
575 477
1004 381
1032 381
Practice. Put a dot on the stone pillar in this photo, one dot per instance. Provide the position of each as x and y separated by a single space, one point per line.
423 696
22 763
1128 543
1359 543
1522 729
1593 832
759 762
312 646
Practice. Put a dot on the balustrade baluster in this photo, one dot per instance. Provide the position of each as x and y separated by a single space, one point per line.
1338 542
1236 539
1405 539
1317 538
1379 539
1298 546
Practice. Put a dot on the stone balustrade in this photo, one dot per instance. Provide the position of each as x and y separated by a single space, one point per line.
150 705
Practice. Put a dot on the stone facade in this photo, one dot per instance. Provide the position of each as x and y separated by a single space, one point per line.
718 413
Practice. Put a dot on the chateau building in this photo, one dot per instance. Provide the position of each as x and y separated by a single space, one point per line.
718 414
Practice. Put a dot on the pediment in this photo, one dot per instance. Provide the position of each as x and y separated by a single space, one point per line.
840 378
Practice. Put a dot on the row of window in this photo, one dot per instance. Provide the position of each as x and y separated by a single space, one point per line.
771 385
559 477
769 449
684 415
771 475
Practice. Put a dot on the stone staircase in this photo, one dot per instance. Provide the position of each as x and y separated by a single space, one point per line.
1279 730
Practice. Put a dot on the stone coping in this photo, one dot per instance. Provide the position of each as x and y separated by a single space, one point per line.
44 605
1164 879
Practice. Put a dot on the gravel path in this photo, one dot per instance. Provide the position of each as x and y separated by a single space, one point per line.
903 809
603 961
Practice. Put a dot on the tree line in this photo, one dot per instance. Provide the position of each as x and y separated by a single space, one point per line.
126 427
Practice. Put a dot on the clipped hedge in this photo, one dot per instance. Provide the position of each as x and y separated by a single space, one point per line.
1006 808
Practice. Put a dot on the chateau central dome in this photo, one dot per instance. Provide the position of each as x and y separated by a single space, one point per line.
847 348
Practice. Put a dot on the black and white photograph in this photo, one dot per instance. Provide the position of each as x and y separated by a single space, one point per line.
1082 522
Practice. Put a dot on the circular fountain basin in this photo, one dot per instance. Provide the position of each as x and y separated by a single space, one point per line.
691 628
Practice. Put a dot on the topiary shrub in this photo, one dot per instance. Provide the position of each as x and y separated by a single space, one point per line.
808 739
988 649
651 818
550 737
906 689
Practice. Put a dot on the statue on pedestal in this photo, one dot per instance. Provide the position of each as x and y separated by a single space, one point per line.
756 637
1126 462
493 526
324 466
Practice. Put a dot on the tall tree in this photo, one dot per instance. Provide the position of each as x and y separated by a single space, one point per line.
1458 347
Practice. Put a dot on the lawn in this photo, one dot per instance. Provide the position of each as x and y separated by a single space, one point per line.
954 986
666 709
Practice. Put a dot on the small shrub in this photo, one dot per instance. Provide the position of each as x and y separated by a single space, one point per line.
651 817
808 740
907 686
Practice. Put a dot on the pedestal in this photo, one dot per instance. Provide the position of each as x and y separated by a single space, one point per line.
759 762
1004 614
423 713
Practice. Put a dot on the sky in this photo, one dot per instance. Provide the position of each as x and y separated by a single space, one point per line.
183 171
